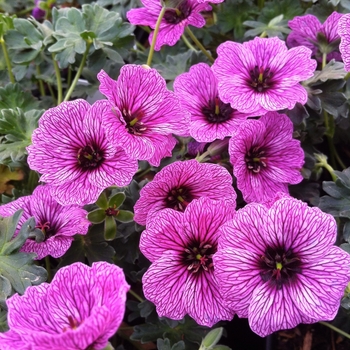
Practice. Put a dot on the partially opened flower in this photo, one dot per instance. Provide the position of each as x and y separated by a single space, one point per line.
175 19
143 114
57 223
344 33
262 75
320 38
181 279
80 309
71 151
211 119
177 184
265 157
278 266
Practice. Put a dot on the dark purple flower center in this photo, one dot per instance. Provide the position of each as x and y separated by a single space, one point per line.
177 15
47 229
261 78
133 122
112 211
179 198
256 159
217 112
199 257
90 157
279 266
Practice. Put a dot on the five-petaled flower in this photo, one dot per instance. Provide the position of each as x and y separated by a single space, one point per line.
262 75
344 33
71 151
58 223
181 279
79 310
278 266
265 157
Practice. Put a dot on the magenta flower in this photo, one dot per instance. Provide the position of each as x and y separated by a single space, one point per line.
211 119
143 113
265 157
344 33
262 75
72 153
320 38
278 266
174 22
177 184
58 223
181 279
80 309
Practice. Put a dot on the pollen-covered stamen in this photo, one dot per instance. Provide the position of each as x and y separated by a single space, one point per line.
133 123
199 256
178 199
89 157
260 78
178 14
217 112
256 159
279 266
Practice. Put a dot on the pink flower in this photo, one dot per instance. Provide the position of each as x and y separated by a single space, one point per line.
80 309
143 114
278 266
181 279
58 223
265 157
177 184
187 12
72 153
320 38
211 119
344 33
262 75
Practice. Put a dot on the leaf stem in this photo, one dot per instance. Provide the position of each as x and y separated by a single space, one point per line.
187 43
344 334
199 45
7 60
324 60
48 268
155 34
80 70
52 93
41 84
136 296
58 79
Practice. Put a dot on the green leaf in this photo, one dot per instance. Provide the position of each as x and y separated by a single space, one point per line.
164 344
117 200
102 201
97 216
211 339
125 216
110 228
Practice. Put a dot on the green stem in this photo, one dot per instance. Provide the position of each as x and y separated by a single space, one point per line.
140 46
7 60
324 60
202 157
331 171
25 11
48 268
80 70
52 93
41 84
199 45
337 157
58 79
155 34
69 76
261 4
187 43
263 34
344 334
136 296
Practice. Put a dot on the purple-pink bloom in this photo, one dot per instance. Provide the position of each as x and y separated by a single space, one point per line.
320 38
71 151
58 223
265 157
174 22
80 309
143 113
262 75
37 12
278 266
211 119
177 184
344 33
181 279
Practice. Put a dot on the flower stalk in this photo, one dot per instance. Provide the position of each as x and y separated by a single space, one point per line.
344 334
199 45
59 80
7 60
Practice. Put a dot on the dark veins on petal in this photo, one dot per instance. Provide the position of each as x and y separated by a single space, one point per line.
197 257
177 15
279 266
261 78
217 112
256 159
179 198
134 125
90 157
